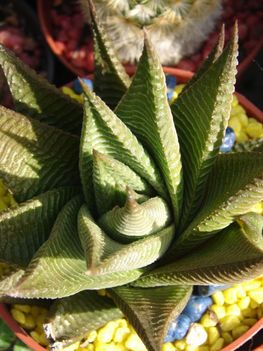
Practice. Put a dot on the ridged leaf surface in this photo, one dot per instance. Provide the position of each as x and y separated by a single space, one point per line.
105 132
73 317
233 255
145 110
9 276
235 184
23 229
105 255
60 261
111 179
110 79
35 97
35 157
151 311
201 114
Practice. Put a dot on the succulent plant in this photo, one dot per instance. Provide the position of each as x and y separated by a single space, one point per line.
128 195
175 28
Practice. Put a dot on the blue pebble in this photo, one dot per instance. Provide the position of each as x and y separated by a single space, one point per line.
170 94
77 86
228 141
178 328
196 307
170 81
207 290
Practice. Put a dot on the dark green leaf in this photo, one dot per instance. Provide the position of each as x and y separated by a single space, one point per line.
35 97
151 311
73 317
35 157
7 337
231 256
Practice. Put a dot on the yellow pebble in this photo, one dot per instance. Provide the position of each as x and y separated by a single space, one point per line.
101 292
227 337
209 319
259 311
244 303
243 119
229 323
35 311
29 323
168 346
121 334
218 298
249 312
220 311
251 285
249 321
92 335
234 101
105 334
180 344
254 304
233 310
235 124
241 136
237 332
19 316
254 130
213 335
134 343
238 110
122 323
230 296
71 347
218 345
43 340
23 308
191 348
256 295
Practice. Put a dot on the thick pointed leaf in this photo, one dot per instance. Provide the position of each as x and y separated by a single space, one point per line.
105 255
35 157
110 79
73 317
35 97
9 276
59 267
235 184
232 256
200 115
24 229
134 221
147 113
106 133
151 311
111 179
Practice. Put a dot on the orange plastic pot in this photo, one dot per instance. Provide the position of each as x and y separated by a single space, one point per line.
253 111
43 9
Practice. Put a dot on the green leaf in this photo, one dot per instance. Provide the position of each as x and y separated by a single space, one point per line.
35 97
106 133
110 79
24 228
59 267
235 184
134 221
111 179
232 256
105 255
201 114
9 276
7 337
73 317
145 110
151 311
35 157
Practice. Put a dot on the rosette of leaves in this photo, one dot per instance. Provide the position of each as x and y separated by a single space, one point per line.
124 193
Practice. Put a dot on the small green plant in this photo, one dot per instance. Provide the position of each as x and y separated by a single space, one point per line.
128 195
176 28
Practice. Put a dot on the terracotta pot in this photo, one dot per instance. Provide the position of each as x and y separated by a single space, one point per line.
21 334
44 7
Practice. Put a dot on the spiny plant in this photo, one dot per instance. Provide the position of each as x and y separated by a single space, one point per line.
176 28
133 198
